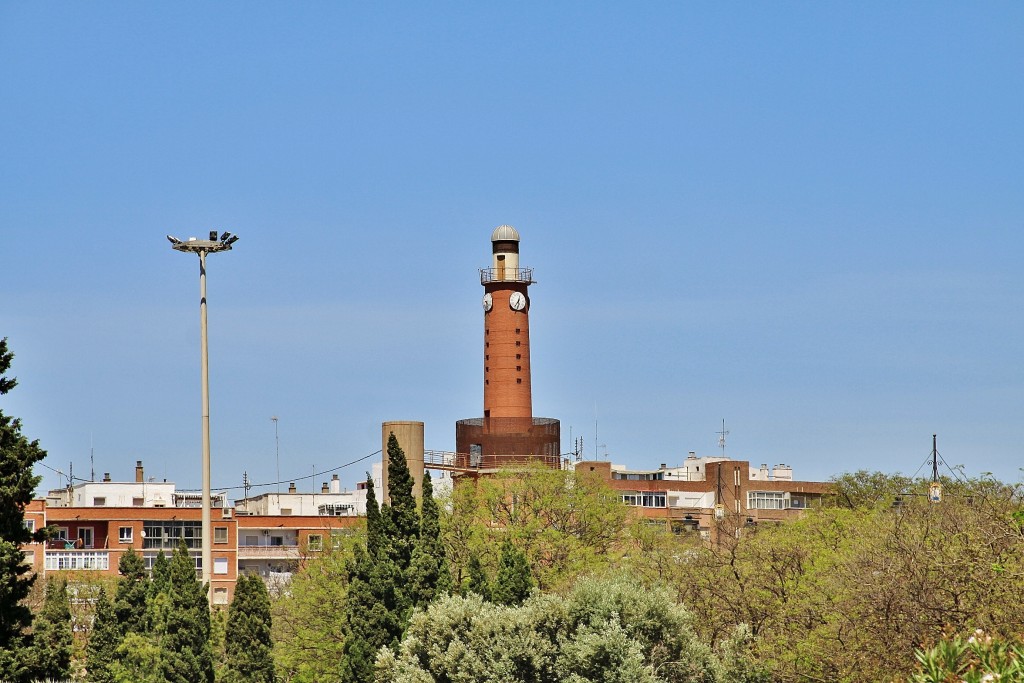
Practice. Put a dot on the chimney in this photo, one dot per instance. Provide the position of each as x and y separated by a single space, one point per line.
693 454
139 476
335 484
291 487
106 476
324 488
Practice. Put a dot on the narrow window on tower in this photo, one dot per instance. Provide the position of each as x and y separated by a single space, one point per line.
486 369
518 356
519 368
487 381
517 330
486 357
517 343
519 380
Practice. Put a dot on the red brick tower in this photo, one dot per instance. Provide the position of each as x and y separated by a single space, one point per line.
507 433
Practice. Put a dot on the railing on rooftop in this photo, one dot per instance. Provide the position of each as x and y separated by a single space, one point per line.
469 462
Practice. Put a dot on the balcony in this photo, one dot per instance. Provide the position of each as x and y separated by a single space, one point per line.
506 275
60 560
287 551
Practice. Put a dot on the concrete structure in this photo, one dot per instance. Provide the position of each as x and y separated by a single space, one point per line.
410 438
508 433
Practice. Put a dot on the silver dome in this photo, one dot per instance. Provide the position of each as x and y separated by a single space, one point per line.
505 233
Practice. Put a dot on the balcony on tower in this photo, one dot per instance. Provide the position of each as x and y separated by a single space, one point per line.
506 274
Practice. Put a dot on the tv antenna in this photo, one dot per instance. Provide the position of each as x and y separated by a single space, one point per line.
721 437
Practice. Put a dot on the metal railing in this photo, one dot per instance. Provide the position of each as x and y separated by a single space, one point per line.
506 275
467 462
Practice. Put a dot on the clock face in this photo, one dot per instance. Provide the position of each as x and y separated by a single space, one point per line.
517 301
487 302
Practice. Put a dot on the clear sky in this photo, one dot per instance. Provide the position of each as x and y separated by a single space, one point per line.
802 218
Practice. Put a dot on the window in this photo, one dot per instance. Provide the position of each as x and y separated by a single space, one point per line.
276 540
647 500
138 502
519 368
736 477
85 536
77 560
220 534
337 510
220 565
99 501
62 534
519 380
518 343
125 534
286 511
766 500
220 596
517 330
167 534
316 542
251 540
518 356
30 525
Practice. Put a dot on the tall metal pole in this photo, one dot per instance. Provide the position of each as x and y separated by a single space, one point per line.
207 523
202 248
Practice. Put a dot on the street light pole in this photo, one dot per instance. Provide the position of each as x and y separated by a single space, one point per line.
204 247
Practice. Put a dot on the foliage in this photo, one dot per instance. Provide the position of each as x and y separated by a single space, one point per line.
17 483
609 630
50 653
848 593
565 523
513 584
131 594
186 638
104 638
248 644
476 580
308 634
428 575
139 660
977 659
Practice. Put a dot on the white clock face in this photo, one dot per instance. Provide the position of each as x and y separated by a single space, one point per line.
517 301
487 302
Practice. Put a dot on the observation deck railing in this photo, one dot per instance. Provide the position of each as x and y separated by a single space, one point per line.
506 275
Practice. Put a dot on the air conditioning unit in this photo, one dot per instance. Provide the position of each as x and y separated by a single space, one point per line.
225 513
266 532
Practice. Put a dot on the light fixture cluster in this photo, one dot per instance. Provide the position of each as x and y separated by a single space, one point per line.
195 245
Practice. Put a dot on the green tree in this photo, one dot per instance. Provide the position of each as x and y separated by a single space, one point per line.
249 647
104 638
17 484
609 631
376 613
186 643
477 579
132 593
402 520
429 575
139 660
513 584
50 653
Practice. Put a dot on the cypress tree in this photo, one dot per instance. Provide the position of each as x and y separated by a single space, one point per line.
104 638
478 582
249 647
161 579
403 518
374 521
132 591
17 483
514 582
428 574
186 642
376 613
50 654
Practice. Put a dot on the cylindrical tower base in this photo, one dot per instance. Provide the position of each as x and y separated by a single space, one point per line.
410 438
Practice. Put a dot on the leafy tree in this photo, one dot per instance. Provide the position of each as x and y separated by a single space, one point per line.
977 659
104 639
186 643
611 630
513 584
566 523
50 654
17 483
139 660
249 647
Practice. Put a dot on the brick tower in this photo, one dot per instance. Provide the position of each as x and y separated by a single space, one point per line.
507 433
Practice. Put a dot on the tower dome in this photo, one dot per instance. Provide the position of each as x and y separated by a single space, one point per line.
505 233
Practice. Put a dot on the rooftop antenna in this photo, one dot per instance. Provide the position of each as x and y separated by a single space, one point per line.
92 464
935 488
277 454
246 484
721 437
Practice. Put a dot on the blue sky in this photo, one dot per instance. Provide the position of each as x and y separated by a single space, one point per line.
804 218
